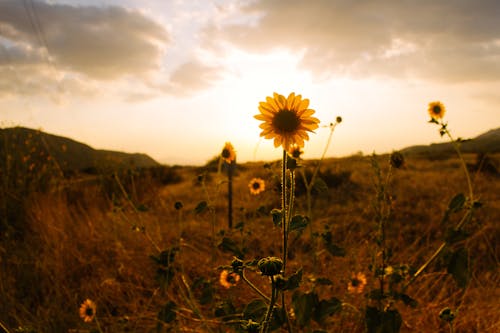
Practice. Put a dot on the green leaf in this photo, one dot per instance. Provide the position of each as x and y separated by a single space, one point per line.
457 203
165 271
166 315
395 278
408 300
333 248
240 226
255 310
229 245
323 282
320 186
477 204
277 215
454 236
293 281
224 309
458 267
201 207
142 208
327 308
205 288
298 223
278 318
376 294
382 321
303 305
165 275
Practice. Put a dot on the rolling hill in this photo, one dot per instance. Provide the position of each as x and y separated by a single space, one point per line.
27 146
486 143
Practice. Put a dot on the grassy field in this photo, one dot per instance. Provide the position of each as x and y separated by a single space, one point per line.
149 252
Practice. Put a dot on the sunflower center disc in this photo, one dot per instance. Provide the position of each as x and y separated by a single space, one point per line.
286 121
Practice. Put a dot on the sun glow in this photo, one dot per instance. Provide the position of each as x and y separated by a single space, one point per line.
250 78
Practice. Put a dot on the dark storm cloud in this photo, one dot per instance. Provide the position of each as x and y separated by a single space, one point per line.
452 40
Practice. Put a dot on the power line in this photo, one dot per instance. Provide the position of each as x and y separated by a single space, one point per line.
36 25
40 31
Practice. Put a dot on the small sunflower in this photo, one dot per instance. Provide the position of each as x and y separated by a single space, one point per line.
286 120
227 279
436 110
87 311
256 186
357 284
295 151
228 153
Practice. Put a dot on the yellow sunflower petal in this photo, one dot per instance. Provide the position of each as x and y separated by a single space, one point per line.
306 113
280 101
303 105
272 103
263 117
290 101
266 108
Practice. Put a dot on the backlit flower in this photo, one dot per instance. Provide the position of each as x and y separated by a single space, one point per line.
436 110
295 151
228 280
256 186
286 120
87 311
357 284
228 153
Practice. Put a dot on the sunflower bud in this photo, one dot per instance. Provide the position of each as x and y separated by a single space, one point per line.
397 160
447 315
291 164
237 265
270 266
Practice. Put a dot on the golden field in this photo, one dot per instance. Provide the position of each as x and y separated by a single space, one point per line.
95 237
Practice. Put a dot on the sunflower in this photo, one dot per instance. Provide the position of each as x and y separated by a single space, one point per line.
87 311
436 110
228 153
357 284
256 186
295 151
286 120
228 280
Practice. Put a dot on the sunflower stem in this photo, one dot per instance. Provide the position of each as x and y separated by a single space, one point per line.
257 290
456 146
466 218
98 325
267 318
284 210
230 167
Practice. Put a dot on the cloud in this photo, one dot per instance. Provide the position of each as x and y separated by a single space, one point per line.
43 41
439 40
194 75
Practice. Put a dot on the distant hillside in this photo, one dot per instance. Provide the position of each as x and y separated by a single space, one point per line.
488 142
32 147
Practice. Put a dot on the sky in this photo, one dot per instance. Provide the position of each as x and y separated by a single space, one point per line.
177 79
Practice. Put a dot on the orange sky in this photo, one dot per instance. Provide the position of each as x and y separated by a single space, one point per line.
177 79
